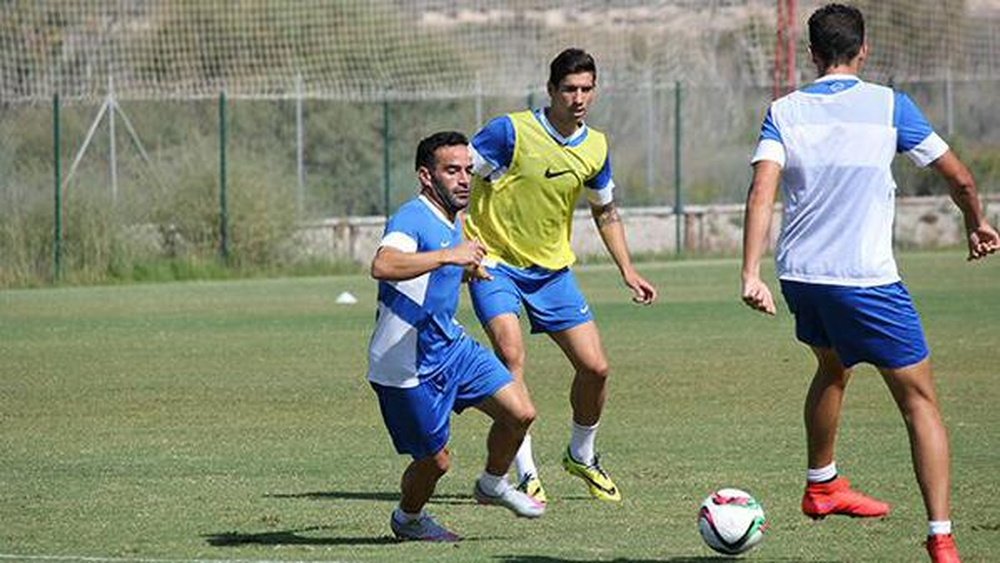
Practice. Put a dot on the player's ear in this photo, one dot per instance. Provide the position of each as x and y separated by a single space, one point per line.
815 59
863 53
425 177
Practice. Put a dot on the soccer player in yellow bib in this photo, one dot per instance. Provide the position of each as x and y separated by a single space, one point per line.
530 168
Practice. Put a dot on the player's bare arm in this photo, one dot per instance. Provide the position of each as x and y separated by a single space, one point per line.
612 230
605 215
756 230
983 239
394 264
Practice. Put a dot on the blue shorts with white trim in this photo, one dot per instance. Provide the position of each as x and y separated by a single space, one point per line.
877 325
552 298
419 418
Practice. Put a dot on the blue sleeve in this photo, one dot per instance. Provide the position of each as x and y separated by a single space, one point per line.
495 142
911 125
603 177
768 130
405 222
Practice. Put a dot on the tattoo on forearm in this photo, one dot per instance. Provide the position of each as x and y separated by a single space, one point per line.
606 215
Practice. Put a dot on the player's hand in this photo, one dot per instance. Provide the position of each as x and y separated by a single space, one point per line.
757 296
643 292
983 241
469 253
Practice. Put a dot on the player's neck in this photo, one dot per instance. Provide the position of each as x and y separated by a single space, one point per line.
851 69
436 202
565 125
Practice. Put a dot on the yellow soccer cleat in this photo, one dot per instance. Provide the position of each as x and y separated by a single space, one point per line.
532 486
600 484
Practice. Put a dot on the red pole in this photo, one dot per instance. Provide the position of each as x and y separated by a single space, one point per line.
784 77
790 35
779 50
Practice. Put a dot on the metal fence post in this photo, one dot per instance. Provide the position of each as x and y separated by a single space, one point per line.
57 210
650 134
678 193
386 169
300 144
223 204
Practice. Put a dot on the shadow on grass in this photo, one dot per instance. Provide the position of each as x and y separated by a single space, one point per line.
547 559
369 495
393 497
294 537
681 559
291 537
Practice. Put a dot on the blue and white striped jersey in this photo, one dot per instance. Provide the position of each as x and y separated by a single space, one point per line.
835 140
415 329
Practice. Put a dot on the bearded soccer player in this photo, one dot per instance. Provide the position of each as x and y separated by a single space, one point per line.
422 364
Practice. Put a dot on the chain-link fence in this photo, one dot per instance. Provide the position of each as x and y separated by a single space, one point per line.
186 128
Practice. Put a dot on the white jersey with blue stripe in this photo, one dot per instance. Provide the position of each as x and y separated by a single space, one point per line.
835 140
415 328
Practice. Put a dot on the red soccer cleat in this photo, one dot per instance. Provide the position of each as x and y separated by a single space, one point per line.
942 548
836 497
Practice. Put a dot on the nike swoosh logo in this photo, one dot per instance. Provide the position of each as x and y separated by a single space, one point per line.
550 174
584 309
609 490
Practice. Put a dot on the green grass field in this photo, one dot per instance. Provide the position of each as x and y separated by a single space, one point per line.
232 421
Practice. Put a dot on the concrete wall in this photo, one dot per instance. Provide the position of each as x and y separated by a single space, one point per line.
921 222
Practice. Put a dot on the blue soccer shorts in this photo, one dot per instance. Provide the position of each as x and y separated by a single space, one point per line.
877 325
552 298
419 418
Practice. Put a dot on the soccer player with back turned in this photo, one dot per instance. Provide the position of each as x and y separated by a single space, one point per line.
829 146
422 364
531 168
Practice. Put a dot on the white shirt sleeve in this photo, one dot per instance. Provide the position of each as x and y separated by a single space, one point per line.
602 196
769 149
400 241
929 150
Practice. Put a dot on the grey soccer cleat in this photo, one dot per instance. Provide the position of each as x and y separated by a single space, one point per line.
512 499
422 529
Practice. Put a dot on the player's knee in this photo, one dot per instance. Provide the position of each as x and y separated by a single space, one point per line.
519 419
441 461
512 356
841 377
830 368
833 374
597 370
919 404
526 417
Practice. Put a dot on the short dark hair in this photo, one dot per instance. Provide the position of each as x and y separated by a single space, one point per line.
571 61
836 33
428 145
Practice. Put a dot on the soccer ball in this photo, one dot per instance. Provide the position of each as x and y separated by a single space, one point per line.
731 521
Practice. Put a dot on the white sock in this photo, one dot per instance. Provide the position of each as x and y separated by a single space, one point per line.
822 474
941 527
493 485
581 443
524 463
404 517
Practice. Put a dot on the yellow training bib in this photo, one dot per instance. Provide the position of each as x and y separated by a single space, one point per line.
525 217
